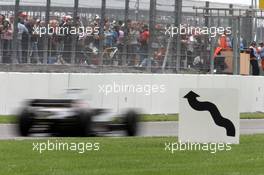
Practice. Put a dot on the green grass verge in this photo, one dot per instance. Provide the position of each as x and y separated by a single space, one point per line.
175 117
160 117
152 118
7 119
252 116
130 156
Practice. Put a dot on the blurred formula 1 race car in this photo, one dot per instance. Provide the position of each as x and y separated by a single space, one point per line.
72 117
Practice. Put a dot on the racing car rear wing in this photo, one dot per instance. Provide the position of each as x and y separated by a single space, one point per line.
51 102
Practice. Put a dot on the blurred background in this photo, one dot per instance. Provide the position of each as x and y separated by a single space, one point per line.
132 36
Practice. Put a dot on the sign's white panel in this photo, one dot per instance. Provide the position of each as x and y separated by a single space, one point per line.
209 116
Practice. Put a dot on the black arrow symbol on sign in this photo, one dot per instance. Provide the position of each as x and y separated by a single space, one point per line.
212 108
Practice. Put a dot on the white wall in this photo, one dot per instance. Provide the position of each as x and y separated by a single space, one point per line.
16 87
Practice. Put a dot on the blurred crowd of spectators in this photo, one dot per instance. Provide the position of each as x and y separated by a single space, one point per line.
31 45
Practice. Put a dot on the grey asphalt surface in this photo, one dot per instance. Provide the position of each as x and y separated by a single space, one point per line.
150 129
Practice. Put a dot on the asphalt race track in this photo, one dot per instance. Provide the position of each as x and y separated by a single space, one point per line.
148 129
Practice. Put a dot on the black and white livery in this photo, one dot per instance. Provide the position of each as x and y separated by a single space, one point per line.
73 117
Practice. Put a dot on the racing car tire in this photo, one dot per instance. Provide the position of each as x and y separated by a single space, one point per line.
25 122
84 124
131 123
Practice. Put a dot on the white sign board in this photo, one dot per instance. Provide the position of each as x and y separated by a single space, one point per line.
209 116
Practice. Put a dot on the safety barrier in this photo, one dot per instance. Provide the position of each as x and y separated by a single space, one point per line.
153 93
